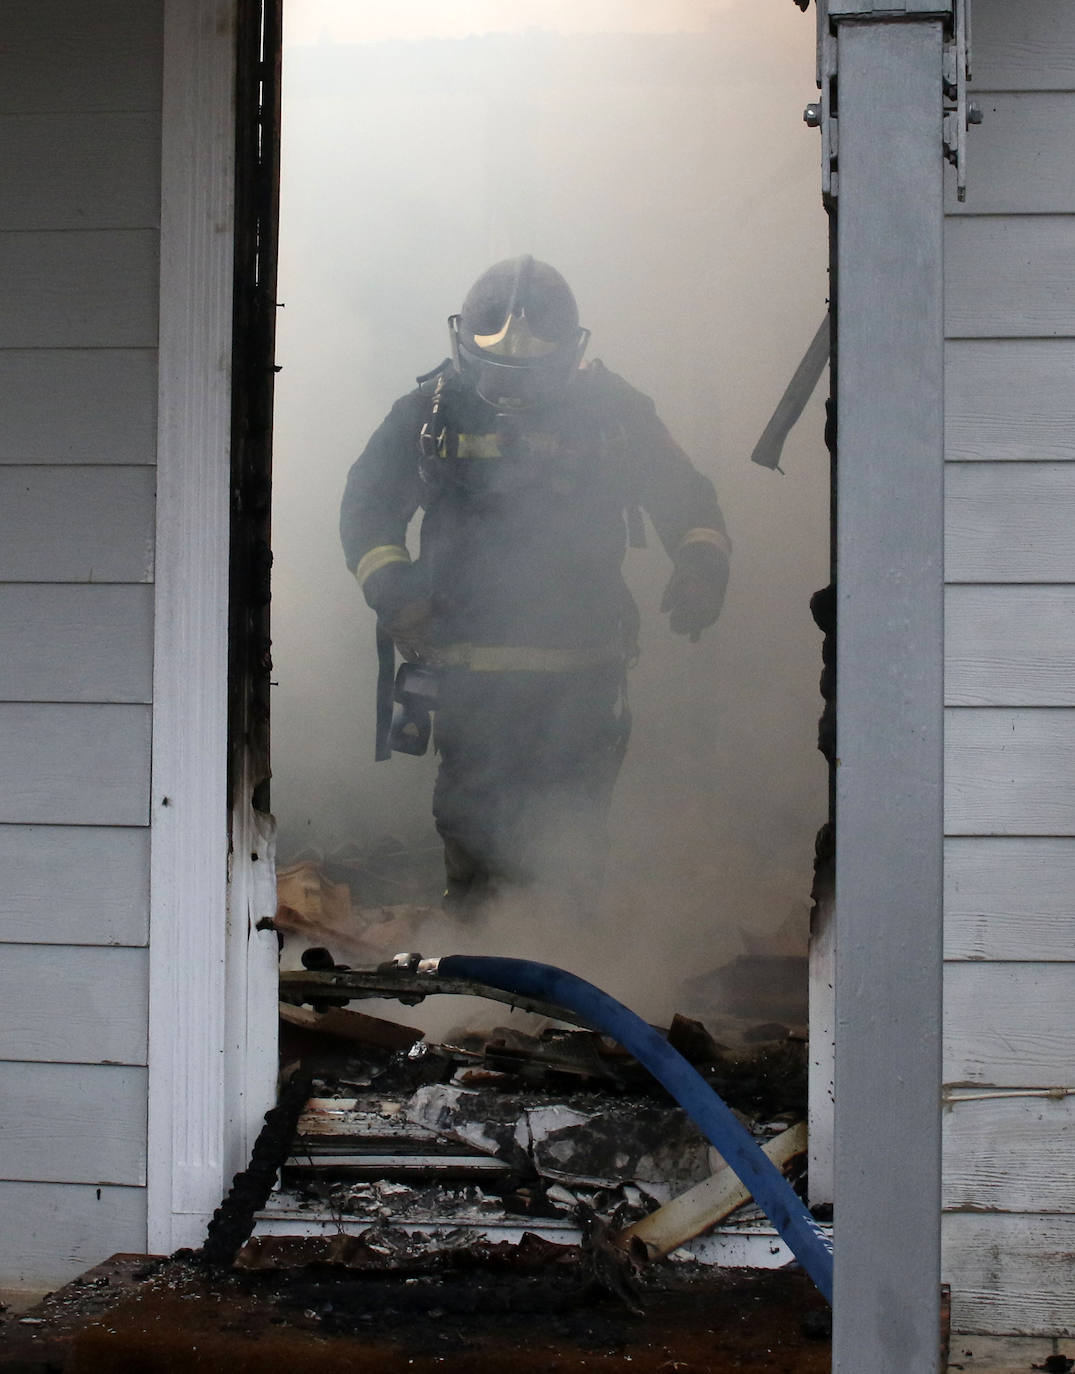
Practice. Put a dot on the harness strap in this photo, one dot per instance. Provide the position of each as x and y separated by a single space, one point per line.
386 673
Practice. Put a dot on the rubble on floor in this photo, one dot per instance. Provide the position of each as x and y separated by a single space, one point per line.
510 1127
551 1127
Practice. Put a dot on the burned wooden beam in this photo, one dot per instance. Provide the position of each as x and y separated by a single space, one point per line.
340 986
341 1024
707 1203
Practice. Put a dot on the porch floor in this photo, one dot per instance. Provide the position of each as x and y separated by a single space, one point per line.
135 1315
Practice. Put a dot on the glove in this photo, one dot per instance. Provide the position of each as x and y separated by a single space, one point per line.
399 595
695 591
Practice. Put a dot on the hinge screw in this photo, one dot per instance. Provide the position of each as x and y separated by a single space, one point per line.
812 115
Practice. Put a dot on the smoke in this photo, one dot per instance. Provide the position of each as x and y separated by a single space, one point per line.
670 178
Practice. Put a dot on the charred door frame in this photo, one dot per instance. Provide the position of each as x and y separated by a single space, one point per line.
211 1062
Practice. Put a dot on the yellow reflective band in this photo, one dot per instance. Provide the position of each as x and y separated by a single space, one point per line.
478 446
379 558
519 658
535 442
717 538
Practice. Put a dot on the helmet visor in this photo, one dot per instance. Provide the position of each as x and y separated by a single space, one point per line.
516 339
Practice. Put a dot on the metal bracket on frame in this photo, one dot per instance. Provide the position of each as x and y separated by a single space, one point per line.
958 112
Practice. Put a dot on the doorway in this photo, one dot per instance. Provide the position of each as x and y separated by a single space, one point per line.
659 160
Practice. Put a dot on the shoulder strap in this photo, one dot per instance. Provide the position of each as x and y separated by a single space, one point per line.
431 436
445 366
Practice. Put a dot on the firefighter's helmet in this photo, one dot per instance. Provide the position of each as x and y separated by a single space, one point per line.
517 338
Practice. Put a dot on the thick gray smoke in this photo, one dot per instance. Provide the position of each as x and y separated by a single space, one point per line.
671 180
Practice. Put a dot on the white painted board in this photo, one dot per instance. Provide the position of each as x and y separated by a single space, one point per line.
53 1232
1009 771
1023 46
73 1004
1009 645
73 1123
95 405
78 642
74 884
1011 898
67 55
79 171
1009 1025
1009 1154
1010 1274
1009 399
1019 157
1009 276
1009 522
77 524
79 289
74 765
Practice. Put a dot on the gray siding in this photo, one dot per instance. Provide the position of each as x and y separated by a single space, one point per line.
1009 1123
61 1228
1009 399
80 134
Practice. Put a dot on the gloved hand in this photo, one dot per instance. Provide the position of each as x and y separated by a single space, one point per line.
400 596
695 591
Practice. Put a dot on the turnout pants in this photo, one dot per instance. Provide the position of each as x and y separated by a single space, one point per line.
528 761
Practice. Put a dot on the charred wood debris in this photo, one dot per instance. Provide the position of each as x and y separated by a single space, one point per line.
407 1148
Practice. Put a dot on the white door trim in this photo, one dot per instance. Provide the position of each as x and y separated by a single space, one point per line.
189 815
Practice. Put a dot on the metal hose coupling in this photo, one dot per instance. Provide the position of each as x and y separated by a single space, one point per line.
414 963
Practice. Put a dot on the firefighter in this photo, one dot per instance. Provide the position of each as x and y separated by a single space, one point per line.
531 470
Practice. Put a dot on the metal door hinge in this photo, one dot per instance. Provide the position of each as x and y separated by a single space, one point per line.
958 112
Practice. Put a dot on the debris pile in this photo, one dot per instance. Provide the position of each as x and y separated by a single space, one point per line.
509 1131
496 1133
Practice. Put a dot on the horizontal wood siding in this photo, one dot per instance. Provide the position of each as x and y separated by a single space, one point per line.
1010 1154
1009 1158
76 524
82 643
80 196
1010 522
78 406
74 885
1010 772
1010 645
1009 399
1028 45
1010 276
73 1005
67 171
1009 899
1010 1025
1016 158
1010 1273
52 1232
74 765
73 1123
64 55
79 289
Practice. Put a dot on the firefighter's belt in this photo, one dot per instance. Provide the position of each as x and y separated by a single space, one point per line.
519 658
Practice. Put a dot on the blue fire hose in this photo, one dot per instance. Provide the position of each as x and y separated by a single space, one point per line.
770 1190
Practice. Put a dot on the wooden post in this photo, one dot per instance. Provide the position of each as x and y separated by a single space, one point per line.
889 691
